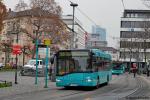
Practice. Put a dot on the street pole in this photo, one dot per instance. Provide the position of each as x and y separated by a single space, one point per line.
36 73
46 68
131 51
16 63
24 48
145 65
73 33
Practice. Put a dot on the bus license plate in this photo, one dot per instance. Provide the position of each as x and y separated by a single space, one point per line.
73 85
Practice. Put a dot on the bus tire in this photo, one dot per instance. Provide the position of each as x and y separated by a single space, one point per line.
67 87
98 81
107 80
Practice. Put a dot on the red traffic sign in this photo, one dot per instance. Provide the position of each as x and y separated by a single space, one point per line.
16 49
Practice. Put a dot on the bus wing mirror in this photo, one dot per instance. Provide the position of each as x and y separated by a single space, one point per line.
52 60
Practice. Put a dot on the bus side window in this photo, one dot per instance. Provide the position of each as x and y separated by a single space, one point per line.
88 66
71 66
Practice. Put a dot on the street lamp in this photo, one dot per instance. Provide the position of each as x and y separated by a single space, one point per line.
16 47
16 31
72 40
16 63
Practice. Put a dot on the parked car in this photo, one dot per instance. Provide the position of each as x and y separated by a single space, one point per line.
30 67
1 65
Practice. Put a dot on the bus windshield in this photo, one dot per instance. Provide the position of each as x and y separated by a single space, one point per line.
73 63
117 68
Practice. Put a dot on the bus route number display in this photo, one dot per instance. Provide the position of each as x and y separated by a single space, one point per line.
75 53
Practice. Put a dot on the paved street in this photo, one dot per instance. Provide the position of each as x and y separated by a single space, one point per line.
123 87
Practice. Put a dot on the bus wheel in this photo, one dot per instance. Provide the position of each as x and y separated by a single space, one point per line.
97 85
67 87
107 80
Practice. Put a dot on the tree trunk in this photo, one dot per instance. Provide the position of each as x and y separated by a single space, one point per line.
23 55
34 51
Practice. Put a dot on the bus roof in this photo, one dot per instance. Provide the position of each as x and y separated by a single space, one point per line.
100 53
97 52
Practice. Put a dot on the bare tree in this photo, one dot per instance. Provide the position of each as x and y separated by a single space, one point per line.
21 6
49 5
26 51
6 47
38 24
2 14
41 23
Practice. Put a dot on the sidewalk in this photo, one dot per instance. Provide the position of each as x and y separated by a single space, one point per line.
145 76
25 85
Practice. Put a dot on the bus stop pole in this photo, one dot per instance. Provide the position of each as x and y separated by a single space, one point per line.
46 68
36 73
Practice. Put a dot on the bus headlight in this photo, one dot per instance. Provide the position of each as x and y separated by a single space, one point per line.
58 80
88 79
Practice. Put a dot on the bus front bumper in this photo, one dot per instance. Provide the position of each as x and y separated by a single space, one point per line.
62 83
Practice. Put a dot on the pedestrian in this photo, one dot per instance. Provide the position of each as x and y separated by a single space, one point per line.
134 72
134 69
148 70
50 73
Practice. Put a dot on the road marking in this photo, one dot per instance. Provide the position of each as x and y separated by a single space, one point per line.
88 99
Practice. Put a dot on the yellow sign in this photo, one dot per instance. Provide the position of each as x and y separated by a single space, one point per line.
47 42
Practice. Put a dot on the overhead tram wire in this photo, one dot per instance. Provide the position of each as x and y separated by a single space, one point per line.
123 4
86 16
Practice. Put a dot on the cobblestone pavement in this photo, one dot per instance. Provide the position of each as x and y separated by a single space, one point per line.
25 84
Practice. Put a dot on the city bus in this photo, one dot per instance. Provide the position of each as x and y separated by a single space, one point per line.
118 68
82 68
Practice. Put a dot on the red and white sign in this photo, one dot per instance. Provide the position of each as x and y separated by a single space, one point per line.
16 49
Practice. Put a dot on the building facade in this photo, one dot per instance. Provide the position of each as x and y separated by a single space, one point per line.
101 32
79 32
97 38
112 51
134 36
25 26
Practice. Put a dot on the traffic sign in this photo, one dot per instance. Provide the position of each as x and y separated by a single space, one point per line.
47 42
16 49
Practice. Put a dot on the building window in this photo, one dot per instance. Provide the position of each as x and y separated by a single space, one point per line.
136 15
135 24
128 15
95 35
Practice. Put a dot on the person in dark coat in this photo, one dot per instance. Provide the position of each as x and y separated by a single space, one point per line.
134 71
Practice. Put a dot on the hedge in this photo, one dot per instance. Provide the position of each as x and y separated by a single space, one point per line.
5 84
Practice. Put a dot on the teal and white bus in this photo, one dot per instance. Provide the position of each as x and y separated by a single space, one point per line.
118 68
82 68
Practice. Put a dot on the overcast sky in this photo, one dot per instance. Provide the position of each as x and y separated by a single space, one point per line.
105 13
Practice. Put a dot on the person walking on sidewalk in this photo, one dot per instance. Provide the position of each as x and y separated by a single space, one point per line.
134 69
134 72
148 70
